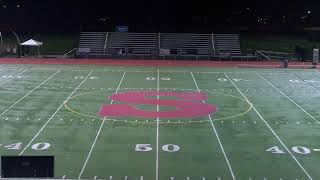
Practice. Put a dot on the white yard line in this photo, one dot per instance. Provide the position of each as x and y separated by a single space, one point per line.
13 77
99 131
44 126
273 132
288 98
29 93
217 135
305 83
157 136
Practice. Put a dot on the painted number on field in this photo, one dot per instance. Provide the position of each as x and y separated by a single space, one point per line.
143 147
166 148
37 146
18 77
171 148
81 77
296 149
40 146
153 79
225 80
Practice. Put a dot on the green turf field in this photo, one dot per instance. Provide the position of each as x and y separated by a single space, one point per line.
266 126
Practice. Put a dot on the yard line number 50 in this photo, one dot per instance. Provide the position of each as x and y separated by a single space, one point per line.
166 148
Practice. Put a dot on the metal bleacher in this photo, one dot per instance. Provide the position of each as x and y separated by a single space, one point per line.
154 44
132 43
94 41
187 44
227 44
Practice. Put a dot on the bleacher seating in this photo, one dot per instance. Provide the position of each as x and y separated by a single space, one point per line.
227 44
160 44
132 43
187 44
94 41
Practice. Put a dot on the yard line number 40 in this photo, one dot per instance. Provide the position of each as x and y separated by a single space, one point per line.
296 149
36 146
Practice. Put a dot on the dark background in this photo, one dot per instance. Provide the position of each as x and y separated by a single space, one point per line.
159 16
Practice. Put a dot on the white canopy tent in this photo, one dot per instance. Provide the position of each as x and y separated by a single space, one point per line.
32 43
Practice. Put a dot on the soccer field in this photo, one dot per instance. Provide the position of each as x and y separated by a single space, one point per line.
162 123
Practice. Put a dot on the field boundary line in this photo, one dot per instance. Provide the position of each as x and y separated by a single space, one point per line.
273 132
99 131
158 122
217 135
13 77
43 127
272 85
29 93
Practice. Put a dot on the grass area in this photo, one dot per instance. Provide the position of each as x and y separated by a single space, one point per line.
266 124
278 43
53 44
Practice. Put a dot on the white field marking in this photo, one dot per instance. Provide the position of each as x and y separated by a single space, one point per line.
316 150
28 93
126 178
110 178
274 133
203 178
157 136
99 131
64 176
13 77
44 126
188 178
306 83
217 135
141 178
95 177
172 178
288 98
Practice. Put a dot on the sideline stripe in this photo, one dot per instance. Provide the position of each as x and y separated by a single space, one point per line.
13 77
42 128
29 93
217 135
99 131
157 136
274 133
288 98
305 82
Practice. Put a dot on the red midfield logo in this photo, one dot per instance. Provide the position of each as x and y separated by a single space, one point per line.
187 105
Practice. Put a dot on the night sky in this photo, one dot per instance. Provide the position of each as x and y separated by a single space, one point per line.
156 15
